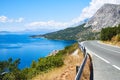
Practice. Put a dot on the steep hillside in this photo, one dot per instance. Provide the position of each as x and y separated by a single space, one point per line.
107 15
88 34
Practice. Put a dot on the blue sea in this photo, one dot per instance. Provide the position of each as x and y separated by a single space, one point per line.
27 49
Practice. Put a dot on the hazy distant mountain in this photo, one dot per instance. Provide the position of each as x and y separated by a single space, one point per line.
107 15
4 32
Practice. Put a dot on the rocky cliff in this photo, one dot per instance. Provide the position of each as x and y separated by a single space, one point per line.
107 15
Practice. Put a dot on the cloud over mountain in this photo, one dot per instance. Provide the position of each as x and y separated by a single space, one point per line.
90 10
87 12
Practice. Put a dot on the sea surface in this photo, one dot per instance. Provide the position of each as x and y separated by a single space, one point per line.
27 49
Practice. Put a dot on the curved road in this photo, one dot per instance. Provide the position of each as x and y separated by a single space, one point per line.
106 60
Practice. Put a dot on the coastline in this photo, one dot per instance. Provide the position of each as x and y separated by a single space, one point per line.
34 36
32 48
53 53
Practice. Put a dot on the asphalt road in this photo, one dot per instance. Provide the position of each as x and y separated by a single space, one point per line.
106 60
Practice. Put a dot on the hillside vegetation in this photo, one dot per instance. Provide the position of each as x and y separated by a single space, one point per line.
73 33
9 69
66 34
68 70
111 35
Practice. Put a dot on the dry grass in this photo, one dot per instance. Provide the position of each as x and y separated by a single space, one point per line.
86 72
68 71
114 41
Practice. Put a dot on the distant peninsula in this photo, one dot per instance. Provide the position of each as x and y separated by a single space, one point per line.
73 33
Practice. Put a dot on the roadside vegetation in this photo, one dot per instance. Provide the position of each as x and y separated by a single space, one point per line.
40 67
111 35
68 70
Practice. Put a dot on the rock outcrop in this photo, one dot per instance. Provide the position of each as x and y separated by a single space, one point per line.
107 15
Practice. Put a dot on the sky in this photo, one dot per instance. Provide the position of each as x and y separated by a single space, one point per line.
46 15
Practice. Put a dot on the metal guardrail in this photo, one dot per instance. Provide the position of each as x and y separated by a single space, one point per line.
79 70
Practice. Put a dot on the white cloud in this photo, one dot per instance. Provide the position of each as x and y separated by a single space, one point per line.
5 19
20 20
90 10
87 12
49 24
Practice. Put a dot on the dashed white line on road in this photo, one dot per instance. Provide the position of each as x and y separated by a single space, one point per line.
116 67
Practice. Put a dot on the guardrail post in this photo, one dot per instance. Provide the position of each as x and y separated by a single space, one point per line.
91 68
77 68
80 70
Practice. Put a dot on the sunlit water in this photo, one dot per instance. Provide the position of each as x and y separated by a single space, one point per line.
28 49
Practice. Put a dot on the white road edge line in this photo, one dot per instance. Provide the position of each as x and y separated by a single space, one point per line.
108 49
116 67
90 52
108 44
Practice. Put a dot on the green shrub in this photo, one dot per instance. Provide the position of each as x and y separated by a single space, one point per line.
9 76
50 62
109 32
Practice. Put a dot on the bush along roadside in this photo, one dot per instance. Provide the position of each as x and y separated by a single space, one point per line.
108 33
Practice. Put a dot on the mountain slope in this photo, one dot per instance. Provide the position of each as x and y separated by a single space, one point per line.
107 15
66 34
74 33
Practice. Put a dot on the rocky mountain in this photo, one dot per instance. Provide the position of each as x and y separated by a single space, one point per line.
107 15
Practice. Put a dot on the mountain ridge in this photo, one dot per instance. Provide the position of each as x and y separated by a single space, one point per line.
107 16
